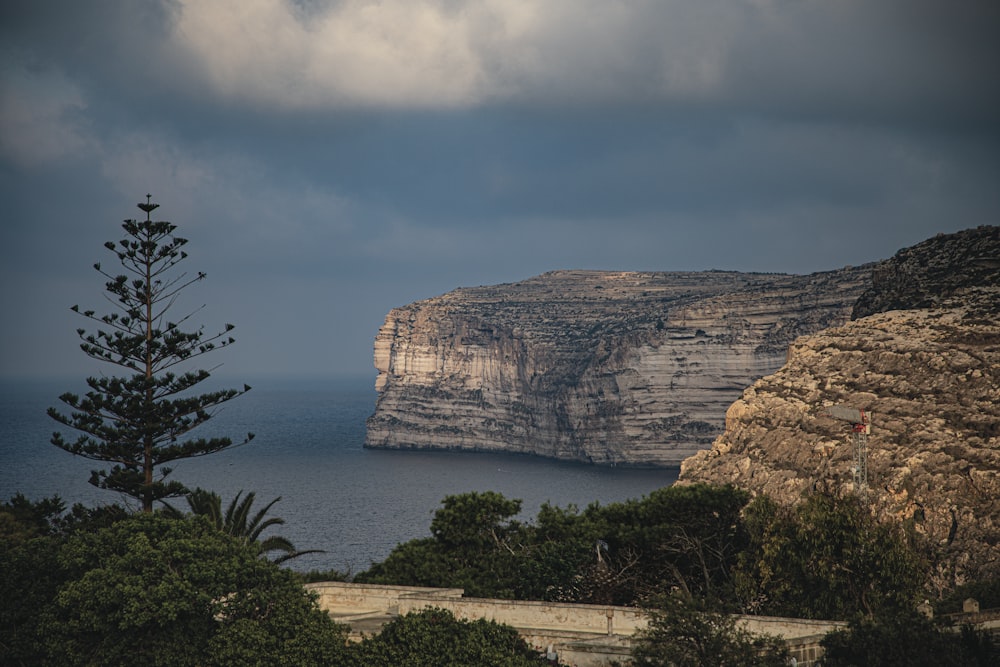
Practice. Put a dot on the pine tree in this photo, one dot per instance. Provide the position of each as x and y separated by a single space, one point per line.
139 423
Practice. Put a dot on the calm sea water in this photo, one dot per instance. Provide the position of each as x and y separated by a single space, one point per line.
355 504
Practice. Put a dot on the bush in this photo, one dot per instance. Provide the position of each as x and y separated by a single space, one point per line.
908 639
153 590
682 633
435 638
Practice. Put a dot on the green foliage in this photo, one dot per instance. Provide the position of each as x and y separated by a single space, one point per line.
139 423
313 576
418 562
29 580
477 546
906 638
679 537
31 534
986 592
240 524
148 589
682 633
682 536
471 523
435 638
474 547
826 558
551 569
160 591
22 519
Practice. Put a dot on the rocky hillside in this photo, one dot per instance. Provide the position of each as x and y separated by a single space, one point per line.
933 272
610 368
928 368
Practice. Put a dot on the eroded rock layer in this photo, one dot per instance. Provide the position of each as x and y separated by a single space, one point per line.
610 368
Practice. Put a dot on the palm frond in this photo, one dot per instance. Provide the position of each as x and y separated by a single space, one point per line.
237 521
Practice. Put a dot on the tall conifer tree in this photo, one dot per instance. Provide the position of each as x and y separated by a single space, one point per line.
140 422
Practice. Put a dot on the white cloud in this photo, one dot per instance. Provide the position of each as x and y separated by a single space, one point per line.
357 54
440 54
820 57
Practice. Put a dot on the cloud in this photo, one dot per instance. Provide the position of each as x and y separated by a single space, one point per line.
330 159
922 60
355 54
853 57
41 116
890 61
440 54
231 200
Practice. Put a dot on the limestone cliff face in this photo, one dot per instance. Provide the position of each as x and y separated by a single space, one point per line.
931 378
610 368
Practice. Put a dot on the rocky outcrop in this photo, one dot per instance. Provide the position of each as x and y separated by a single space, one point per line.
935 271
931 379
609 368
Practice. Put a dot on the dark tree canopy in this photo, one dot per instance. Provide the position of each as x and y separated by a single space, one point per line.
139 423
684 537
907 638
435 638
474 546
828 557
103 586
682 633
154 590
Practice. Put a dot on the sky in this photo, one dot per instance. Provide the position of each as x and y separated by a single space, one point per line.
330 160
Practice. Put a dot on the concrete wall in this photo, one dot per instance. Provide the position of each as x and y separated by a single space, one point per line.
582 635
591 619
341 596
787 628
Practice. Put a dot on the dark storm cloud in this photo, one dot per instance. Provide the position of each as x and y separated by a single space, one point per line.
331 160
894 62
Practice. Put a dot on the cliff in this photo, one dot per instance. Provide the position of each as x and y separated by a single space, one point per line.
609 368
928 368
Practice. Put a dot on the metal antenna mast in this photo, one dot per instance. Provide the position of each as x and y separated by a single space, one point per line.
861 427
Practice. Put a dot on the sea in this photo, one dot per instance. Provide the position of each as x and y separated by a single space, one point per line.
353 504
